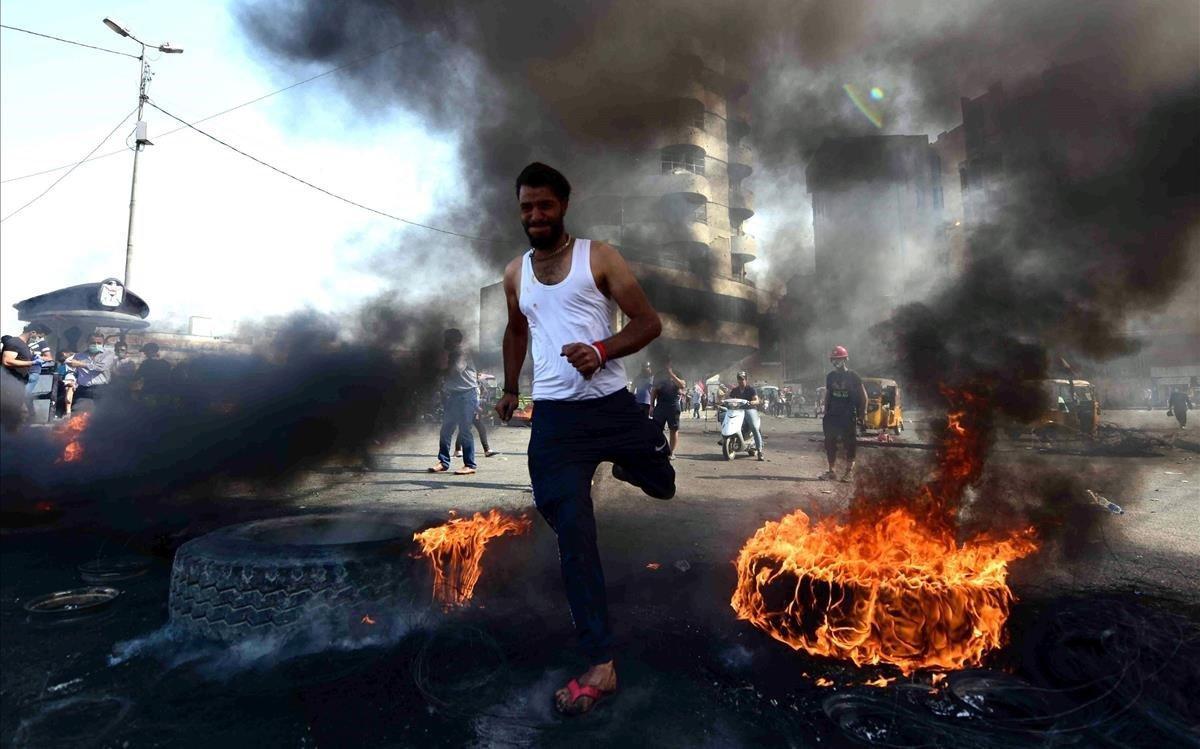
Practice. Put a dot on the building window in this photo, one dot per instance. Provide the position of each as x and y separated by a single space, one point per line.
684 113
683 207
680 159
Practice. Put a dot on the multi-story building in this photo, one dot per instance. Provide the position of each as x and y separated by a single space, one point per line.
677 211
952 152
877 219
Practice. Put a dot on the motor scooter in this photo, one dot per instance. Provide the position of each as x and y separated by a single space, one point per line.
735 428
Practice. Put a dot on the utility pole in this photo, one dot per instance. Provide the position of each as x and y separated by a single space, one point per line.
141 140
140 133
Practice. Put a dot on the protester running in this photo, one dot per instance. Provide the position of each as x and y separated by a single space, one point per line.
845 404
564 292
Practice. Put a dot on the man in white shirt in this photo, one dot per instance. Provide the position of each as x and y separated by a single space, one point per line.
564 293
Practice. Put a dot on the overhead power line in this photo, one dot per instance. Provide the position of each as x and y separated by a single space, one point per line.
68 41
68 173
310 79
318 188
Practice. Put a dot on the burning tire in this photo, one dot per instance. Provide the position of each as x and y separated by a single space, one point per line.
287 576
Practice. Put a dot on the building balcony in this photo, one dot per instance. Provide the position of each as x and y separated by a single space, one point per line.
743 247
655 233
686 135
737 122
680 180
741 205
611 233
741 162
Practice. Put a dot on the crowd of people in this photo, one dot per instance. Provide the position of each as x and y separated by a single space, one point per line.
56 382
660 392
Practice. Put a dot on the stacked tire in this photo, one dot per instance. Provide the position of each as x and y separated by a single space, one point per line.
291 576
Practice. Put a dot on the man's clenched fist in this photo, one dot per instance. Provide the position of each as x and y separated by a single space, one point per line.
506 406
583 357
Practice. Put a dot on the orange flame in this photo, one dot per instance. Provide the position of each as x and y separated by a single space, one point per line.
885 586
456 548
73 430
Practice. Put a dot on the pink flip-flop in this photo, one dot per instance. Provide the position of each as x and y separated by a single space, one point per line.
576 690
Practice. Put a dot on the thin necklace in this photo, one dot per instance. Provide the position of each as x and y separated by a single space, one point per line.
557 250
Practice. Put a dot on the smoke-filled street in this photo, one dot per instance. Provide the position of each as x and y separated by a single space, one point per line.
474 676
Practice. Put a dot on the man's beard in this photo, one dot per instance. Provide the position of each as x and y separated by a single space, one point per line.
548 242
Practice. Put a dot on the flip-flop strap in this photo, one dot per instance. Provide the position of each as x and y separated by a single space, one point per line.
586 690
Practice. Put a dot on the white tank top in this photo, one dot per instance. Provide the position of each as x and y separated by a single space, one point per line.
571 311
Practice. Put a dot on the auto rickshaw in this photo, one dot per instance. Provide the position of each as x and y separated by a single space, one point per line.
1071 407
883 406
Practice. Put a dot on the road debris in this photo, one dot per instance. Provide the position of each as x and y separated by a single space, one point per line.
1105 503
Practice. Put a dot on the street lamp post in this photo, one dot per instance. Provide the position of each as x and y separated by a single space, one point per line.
139 131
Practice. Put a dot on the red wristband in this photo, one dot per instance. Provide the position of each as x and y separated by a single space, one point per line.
603 352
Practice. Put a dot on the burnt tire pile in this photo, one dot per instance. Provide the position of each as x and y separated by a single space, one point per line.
316 574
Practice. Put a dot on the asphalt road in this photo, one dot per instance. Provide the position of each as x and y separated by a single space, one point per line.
719 503
692 674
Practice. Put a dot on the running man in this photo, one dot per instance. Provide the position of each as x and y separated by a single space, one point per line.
845 404
563 292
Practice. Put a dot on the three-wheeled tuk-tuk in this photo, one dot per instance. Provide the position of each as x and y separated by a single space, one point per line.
884 412
1070 409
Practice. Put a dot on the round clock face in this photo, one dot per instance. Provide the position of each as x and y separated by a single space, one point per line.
111 294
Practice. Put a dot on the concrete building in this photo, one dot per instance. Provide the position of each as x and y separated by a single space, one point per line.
877 218
951 149
677 212
982 168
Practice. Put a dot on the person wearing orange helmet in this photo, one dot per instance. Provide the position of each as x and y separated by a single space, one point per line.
845 404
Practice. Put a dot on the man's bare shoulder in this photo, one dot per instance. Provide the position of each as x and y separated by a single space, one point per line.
605 251
607 259
512 271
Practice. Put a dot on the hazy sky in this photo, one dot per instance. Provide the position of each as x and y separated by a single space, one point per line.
216 234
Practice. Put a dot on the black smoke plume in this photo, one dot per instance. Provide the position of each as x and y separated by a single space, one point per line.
1092 211
580 85
1097 219
318 389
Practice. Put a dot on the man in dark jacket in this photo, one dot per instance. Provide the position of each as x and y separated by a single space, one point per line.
845 405
1178 404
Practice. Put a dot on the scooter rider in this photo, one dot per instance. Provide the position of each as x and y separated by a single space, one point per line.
845 404
748 393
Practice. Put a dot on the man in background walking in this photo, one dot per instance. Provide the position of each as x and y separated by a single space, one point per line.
643 388
460 398
845 404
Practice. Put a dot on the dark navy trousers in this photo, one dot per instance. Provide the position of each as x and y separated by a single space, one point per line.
570 439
